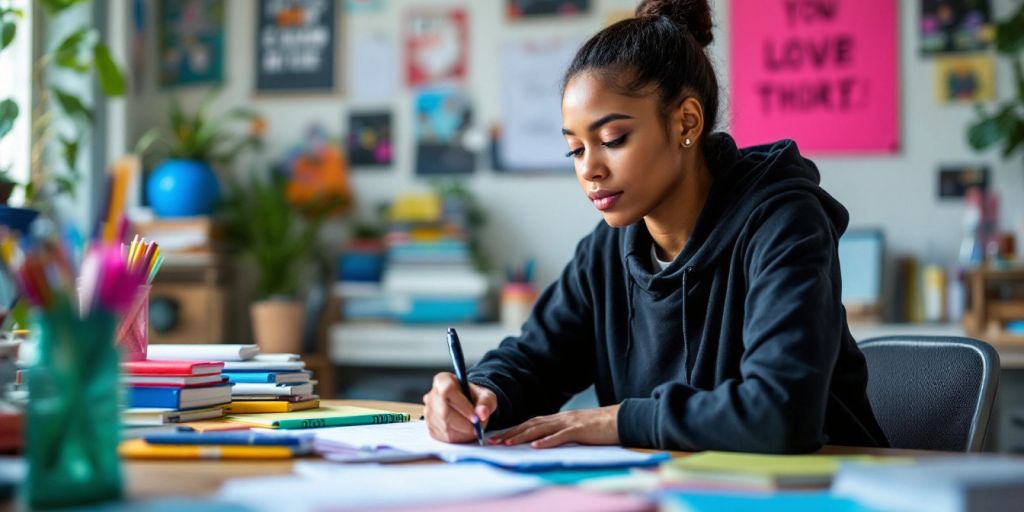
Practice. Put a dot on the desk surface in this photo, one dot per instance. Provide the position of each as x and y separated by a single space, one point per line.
148 479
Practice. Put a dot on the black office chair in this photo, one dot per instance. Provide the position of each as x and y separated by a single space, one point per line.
932 392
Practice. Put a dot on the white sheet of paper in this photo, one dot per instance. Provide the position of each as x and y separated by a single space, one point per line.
372 70
413 437
332 486
531 104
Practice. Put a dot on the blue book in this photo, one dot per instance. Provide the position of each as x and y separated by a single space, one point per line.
276 377
178 398
248 438
794 501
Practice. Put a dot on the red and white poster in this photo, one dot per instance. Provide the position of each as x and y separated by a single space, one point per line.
820 72
436 47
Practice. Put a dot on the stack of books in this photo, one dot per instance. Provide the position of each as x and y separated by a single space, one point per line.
430 276
260 383
162 392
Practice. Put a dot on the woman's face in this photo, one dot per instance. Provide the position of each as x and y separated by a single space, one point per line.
625 159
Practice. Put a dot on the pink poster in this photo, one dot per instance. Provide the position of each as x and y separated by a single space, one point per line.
820 72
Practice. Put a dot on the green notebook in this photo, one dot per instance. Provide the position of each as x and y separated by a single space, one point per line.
758 470
339 416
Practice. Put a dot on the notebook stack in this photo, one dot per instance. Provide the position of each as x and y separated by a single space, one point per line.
162 392
260 383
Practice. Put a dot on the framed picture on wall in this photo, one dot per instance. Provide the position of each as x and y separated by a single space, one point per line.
436 46
369 140
951 26
530 8
296 43
191 41
443 120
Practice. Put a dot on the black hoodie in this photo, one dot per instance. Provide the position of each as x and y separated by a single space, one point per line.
740 344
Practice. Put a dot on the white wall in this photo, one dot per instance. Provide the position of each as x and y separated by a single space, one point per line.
544 216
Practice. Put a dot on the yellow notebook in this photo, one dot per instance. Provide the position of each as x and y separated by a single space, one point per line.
140 449
762 471
340 416
260 406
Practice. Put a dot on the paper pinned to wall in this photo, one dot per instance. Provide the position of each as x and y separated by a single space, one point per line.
531 105
372 70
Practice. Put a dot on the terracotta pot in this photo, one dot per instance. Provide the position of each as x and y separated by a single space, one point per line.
277 326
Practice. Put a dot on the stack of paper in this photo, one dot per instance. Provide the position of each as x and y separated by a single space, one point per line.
413 438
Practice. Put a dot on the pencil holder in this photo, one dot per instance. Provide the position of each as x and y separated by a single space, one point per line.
516 303
133 329
72 422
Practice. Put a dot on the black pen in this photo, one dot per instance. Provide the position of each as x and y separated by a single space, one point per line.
459 364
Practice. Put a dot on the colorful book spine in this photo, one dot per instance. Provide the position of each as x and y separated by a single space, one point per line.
343 421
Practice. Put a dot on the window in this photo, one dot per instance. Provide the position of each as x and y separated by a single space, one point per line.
16 84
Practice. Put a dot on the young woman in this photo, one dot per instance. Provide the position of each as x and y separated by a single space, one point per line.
706 307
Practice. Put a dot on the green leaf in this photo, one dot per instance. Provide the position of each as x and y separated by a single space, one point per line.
1010 33
67 53
71 104
56 6
8 113
1014 138
111 77
990 130
7 31
70 147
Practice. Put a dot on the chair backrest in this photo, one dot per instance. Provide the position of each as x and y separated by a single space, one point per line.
932 392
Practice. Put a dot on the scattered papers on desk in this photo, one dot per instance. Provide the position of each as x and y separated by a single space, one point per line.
729 470
331 486
413 437
949 484
196 352
560 499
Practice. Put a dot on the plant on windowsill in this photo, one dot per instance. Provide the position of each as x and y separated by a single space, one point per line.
62 119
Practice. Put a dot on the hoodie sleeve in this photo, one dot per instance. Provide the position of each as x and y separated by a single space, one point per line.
791 337
552 359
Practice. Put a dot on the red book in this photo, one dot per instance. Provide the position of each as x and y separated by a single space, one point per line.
174 381
171 367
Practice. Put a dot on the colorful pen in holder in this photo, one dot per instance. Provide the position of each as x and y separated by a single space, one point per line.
72 428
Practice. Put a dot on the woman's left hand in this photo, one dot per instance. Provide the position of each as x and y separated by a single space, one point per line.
587 426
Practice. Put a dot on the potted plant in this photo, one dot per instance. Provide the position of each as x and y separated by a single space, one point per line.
274 234
62 119
184 184
1006 123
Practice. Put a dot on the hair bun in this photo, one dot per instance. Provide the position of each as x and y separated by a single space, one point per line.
694 15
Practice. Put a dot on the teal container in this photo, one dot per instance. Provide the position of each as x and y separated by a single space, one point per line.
72 422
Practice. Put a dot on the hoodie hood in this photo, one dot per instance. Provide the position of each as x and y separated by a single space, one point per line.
742 181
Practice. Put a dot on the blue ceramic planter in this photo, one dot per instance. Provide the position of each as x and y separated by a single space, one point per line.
182 188
17 219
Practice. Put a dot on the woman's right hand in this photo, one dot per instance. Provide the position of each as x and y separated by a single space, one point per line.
448 412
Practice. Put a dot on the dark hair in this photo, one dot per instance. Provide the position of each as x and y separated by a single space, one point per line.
663 46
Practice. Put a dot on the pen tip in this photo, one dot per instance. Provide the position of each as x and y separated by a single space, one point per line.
451 330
